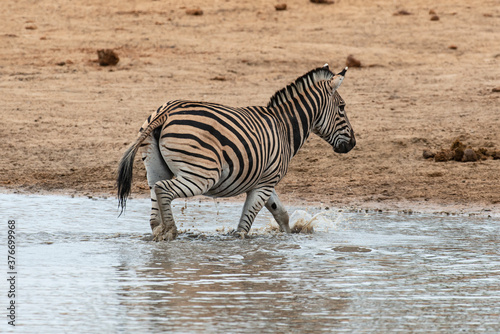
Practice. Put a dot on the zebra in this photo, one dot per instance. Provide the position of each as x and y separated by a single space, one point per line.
194 148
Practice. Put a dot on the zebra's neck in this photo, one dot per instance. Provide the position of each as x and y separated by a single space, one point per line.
300 86
297 105
296 119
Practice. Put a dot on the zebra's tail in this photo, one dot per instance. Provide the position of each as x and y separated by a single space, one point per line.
126 165
124 178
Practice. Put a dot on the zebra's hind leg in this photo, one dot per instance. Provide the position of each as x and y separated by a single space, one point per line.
279 212
166 191
157 170
256 198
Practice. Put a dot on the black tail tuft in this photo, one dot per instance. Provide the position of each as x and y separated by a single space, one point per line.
126 166
124 178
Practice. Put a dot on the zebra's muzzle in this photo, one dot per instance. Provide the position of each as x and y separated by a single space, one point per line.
345 146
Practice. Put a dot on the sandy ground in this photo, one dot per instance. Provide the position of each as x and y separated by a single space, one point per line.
423 83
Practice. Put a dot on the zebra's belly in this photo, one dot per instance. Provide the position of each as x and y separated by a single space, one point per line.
229 181
230 185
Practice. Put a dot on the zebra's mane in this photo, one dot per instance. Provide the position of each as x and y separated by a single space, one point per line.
300 85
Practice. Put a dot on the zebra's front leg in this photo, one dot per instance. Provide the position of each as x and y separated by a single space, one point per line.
279 212
256 198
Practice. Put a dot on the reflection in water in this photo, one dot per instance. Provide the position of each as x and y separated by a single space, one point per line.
83 270
232 284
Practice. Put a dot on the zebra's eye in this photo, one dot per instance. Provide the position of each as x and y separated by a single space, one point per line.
341 107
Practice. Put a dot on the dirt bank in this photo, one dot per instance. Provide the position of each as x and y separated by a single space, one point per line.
422 84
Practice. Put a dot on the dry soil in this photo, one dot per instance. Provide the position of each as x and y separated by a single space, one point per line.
66 120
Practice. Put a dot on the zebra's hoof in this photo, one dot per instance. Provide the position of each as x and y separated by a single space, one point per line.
159 234
239 234
154 224
285 228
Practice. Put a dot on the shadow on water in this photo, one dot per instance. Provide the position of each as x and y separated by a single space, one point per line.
82 268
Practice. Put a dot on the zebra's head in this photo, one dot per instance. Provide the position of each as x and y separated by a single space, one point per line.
332 124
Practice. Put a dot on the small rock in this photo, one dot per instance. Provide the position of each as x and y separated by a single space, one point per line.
452 47
352 249
194 11
31 27
401 12
483 153
352 62
496 90
61 63
432 12
219 78
326 2
434 18
428 154
458 150
443 156
458 154
280 6
496 155
107 57
457 144
470 155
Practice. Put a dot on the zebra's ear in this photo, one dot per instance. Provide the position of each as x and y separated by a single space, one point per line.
326 67
337 80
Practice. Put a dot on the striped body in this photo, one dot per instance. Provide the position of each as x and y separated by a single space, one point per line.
193 148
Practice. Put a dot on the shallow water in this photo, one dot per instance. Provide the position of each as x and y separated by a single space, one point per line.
82 269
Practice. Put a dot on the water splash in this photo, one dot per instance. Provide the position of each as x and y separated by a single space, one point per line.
303 222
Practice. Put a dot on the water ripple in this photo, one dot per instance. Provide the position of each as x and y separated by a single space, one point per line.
82 267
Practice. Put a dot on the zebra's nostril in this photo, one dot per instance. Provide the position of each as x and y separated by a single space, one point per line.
341 148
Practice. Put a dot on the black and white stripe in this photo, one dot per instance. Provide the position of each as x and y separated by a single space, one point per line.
199 148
